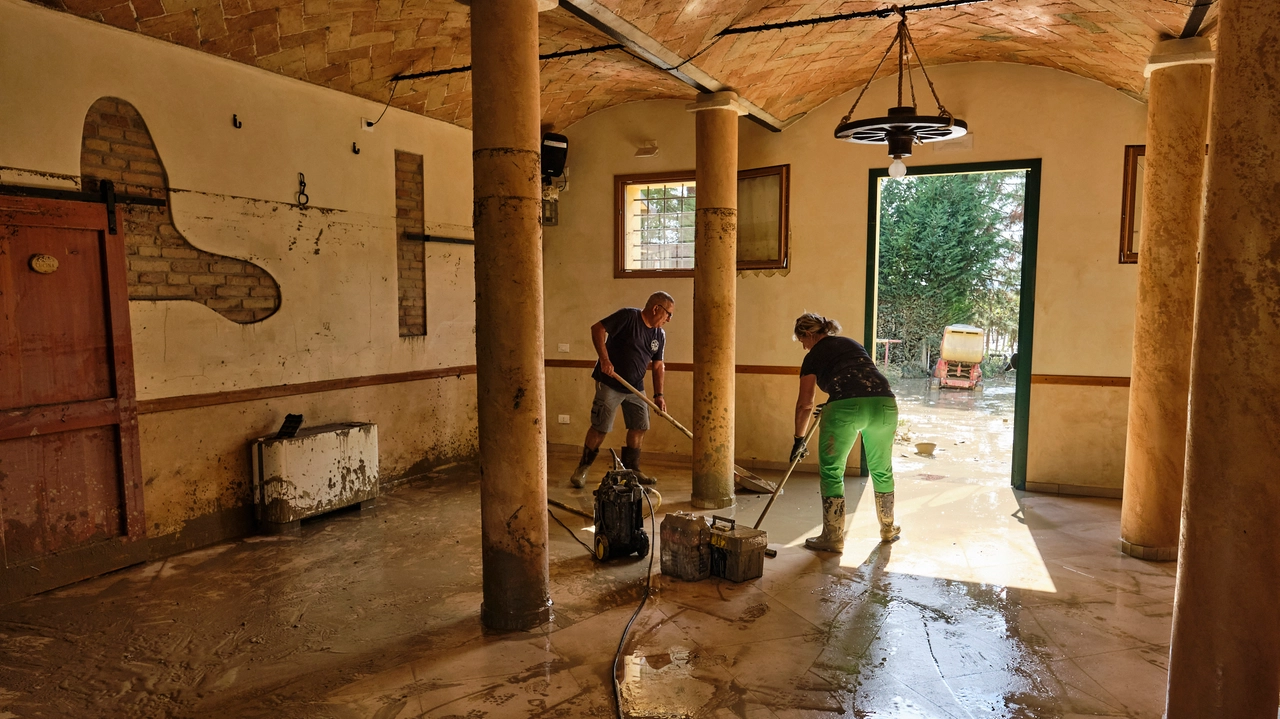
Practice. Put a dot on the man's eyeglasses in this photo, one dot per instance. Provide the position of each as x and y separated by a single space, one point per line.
670 314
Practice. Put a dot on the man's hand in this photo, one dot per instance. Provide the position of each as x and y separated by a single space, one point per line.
661 402
798 449
606 366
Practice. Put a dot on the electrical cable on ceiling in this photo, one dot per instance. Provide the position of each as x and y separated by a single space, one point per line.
695 55
384 107
545 56
881 13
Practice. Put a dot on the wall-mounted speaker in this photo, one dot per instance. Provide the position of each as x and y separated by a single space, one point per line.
555 150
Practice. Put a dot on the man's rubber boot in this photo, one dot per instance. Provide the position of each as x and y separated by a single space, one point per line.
631 460
889 531
579 478
832 537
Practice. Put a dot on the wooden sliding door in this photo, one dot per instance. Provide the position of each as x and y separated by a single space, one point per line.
70 474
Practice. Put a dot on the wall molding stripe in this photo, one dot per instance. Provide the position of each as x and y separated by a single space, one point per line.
212 399
685 367
1080 380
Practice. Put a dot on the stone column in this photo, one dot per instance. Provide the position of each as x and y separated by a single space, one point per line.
715 297
1177 123
509 362
1225 654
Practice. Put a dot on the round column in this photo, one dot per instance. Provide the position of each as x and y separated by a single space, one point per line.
509 362
715 298
1225 653
1177 123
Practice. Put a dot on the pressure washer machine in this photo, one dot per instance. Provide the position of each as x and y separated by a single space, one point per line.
620 515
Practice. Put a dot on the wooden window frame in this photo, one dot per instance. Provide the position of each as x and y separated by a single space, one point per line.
622 182
1128 255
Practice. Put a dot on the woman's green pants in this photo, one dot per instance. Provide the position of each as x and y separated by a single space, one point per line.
877 419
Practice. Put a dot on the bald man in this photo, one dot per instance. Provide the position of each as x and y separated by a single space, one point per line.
626 342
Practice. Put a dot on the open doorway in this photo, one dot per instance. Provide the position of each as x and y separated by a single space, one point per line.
950 291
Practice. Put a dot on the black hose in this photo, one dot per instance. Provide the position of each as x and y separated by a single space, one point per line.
571 533
648 587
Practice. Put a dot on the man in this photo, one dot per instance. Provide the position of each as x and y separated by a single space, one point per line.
626 342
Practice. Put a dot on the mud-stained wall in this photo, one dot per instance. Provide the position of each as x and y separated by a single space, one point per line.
233 192
421 425
1084 298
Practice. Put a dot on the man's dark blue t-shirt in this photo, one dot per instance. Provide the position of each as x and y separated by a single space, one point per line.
631 345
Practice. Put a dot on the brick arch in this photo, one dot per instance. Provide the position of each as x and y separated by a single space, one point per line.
163 265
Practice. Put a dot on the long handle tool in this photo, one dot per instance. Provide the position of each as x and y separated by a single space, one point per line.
813 426
751 481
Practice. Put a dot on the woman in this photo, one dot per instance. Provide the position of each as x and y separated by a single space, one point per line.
860 400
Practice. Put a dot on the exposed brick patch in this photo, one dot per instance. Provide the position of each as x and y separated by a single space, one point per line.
162 265
411 273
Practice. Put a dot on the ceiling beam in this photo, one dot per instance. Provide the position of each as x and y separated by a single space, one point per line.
660 56
1194 20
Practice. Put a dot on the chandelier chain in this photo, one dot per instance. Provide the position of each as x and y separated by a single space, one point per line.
942 111
902 50
911 80
849 115
902 39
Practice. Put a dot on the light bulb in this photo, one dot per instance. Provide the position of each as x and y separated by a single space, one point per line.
897 170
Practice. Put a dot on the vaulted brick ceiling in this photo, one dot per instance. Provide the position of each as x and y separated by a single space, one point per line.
356 46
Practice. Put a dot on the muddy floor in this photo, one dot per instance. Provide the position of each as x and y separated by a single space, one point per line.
973 431
993 604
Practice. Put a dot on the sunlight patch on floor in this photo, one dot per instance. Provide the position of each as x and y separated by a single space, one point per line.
961 532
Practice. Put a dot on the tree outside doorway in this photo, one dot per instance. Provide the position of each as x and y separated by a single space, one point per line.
951 252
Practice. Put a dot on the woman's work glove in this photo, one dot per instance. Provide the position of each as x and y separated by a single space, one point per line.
798 449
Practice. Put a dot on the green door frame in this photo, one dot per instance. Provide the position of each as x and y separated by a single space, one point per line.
1027 294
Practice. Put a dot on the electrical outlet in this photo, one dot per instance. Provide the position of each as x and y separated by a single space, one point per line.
564 419
563 347
366 124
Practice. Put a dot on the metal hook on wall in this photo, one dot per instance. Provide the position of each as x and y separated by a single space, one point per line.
355 149
235 122
303 199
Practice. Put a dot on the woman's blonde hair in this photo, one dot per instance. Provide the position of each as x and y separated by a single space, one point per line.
811 323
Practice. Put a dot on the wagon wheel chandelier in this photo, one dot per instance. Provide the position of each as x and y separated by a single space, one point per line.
903 126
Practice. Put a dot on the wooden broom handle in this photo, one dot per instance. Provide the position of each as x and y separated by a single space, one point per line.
654 405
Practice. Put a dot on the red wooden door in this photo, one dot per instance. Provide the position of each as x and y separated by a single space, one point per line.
70 484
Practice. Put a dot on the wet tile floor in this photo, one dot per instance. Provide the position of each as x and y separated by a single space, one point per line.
994 603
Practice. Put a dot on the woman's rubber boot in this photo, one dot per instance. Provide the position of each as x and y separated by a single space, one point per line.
631 460
579 478
889 531
832 537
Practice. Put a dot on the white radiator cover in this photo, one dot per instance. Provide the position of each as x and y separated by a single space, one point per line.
321 469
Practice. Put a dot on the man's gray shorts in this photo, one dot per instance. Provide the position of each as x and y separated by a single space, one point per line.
635 413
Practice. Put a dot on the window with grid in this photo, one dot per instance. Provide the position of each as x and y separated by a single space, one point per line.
659 225
655 222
